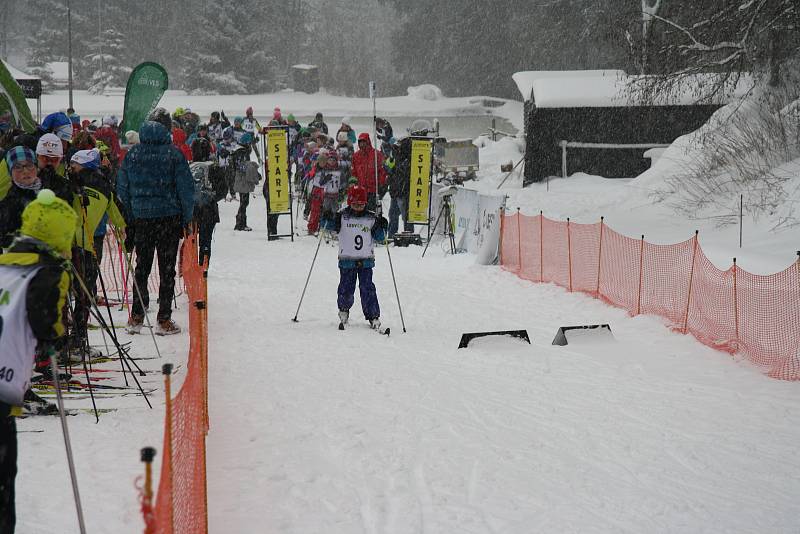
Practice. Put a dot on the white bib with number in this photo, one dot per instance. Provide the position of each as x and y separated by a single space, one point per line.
17 342
249 126
355 237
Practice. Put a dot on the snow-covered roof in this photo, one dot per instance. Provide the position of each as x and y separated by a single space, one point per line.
18 74
526 79
580 89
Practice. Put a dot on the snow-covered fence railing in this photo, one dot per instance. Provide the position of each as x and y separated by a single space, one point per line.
181 501
757 316
618 146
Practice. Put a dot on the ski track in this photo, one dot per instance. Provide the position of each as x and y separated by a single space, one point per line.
318 430
353 432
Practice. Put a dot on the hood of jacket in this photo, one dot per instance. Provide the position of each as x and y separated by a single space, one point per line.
365 137
154 133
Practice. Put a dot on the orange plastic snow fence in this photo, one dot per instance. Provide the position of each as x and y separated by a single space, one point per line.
181 502
733 310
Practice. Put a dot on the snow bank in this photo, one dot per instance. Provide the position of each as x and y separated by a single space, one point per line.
425 92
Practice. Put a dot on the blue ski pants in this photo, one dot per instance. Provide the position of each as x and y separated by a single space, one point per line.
347 289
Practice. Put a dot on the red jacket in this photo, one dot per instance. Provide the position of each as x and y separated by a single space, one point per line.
179 140
107 135
364 166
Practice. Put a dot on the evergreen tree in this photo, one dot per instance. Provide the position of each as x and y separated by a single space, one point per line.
106 62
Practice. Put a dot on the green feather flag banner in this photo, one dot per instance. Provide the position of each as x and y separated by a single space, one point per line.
146 85
13 99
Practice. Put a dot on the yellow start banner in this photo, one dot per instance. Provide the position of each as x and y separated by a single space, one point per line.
278 171
420 184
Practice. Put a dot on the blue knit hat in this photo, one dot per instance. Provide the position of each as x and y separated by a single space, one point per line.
19 153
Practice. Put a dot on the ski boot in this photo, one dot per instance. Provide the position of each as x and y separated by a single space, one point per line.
375 323
344 315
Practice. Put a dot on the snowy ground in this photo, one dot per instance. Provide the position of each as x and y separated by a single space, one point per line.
316 430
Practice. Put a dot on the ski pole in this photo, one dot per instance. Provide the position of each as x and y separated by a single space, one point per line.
67 445
319 242
141 300
122 352
396 294
372 93
110 317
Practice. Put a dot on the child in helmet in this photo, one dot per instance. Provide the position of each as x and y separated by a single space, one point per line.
34 282
358 230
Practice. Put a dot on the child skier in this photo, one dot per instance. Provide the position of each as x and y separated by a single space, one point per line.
358 230
33 291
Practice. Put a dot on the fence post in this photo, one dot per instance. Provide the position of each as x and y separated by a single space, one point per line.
563 159
569 256
541 246
599 259
166 369
641 266
147 454
691 276
519 240
735 304
500 241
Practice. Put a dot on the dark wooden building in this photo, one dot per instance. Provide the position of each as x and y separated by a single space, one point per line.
579 108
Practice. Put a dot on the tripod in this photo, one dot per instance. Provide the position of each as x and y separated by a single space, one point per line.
449 231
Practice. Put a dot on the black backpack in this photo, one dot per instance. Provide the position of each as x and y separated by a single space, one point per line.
203 191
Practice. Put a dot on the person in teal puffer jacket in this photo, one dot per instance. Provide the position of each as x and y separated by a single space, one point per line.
155 186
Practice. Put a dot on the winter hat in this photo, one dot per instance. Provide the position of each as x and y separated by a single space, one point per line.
290 117
318 116
51 220
59 124
50 145
19 154
249 110
88 159
110 120
341 137
356 195
364 137
346 121
132 137
238 120
227 133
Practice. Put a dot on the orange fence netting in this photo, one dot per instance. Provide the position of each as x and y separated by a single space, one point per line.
754 315
181 501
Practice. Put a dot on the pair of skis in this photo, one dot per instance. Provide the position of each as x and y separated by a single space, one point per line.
382 331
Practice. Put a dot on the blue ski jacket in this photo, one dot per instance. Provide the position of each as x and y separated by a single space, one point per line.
154 179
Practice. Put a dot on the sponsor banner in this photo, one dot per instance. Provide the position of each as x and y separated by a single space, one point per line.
487 232
278 171
146 85
473 218
420 181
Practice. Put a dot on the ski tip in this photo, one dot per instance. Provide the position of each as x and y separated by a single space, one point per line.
341 326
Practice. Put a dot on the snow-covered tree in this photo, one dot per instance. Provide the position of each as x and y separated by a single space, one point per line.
105 60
